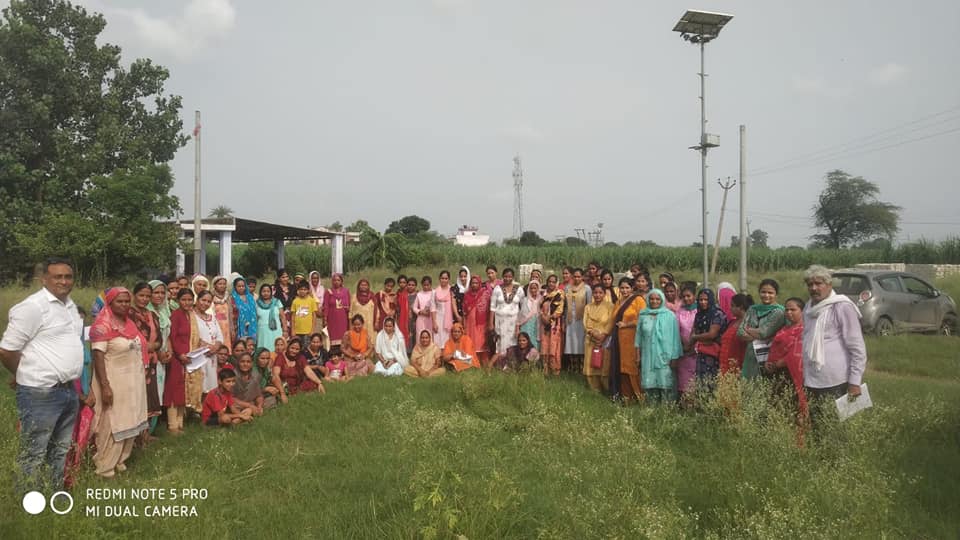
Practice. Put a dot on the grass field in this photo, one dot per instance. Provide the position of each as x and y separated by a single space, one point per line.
521 457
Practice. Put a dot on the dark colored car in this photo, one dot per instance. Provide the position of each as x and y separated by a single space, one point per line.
893 302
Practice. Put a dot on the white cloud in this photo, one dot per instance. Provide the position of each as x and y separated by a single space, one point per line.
201 22
818 86
888 73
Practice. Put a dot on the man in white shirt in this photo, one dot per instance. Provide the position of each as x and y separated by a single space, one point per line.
42 347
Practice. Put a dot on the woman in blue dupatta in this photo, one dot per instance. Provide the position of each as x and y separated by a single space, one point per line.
244 308
658 338
269 318
708 326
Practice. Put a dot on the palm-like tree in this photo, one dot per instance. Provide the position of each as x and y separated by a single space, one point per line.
221 212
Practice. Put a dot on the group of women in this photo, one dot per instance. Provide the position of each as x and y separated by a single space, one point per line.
157 349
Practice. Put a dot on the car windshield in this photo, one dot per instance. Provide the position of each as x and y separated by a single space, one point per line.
850 284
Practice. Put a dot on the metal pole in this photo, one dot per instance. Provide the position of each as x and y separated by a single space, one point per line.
197 232
743 207
703 166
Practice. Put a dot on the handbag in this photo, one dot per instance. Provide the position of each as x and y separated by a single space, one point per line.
709 349
596 358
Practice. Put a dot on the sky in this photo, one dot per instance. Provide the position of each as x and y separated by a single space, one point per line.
321 111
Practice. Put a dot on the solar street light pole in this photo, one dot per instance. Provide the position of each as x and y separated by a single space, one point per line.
699 27
703 165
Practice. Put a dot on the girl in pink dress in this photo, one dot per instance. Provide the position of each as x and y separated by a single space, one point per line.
425 308
443 300
686 364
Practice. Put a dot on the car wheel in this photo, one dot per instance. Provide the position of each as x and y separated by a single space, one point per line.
884 327
948 327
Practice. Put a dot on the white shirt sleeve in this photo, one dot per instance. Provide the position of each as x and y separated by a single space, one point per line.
25 319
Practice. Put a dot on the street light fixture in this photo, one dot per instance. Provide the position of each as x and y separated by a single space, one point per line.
700 28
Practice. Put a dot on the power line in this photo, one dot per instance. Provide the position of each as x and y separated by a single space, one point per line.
835 148
860 153
854 148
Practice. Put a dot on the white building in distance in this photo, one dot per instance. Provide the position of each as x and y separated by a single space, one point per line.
467 235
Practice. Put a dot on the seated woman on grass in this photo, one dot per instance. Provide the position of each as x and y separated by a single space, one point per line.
391 350
357 348
279 348
270 384
425 358
294 373
246 391
316 354
219 407
458 352
522 357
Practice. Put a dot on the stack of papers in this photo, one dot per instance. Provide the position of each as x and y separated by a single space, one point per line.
847 407
198 358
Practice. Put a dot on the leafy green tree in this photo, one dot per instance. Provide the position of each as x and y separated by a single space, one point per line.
221 212
409 226
758 238
387 249
84 145
530 238
574 241
335 226
362 227
849 210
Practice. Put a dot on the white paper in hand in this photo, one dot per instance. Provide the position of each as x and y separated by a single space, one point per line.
198 357
847 408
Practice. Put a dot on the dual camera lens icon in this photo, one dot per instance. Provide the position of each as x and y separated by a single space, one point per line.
34 502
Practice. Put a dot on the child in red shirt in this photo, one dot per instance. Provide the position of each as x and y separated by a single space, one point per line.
218 406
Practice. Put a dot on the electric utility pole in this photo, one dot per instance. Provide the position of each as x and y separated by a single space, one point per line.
723 207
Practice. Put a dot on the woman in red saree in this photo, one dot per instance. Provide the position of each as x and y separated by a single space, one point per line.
784 363
403 310
476 307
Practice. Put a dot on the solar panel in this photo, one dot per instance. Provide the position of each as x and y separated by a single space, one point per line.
705 23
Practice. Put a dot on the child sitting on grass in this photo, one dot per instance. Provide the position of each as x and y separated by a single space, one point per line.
219 408
336 369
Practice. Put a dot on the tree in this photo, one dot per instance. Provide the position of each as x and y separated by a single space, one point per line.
758 238
361 226
849 211
574 241
84 145
335 226
221 212
387 249
409 226
530 238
